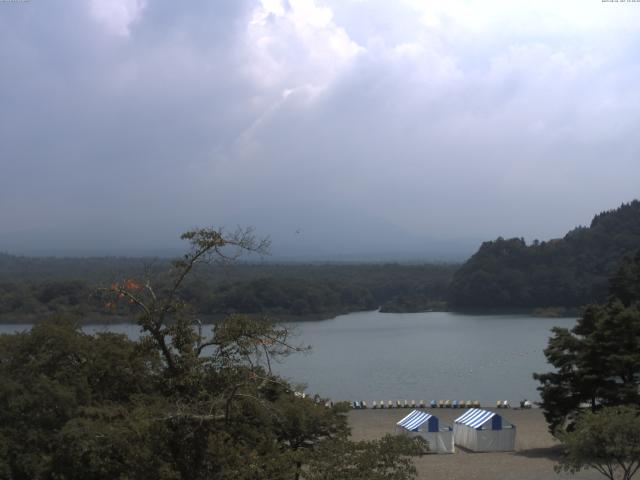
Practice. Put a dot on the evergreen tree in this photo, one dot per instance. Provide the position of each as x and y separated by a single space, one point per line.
598 361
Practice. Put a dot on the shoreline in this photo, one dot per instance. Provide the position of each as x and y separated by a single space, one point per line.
534 458
95 318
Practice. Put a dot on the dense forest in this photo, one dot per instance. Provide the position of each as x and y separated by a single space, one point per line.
568 272
504 274
32 288
176 403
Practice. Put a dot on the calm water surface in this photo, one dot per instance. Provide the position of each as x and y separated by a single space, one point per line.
434 355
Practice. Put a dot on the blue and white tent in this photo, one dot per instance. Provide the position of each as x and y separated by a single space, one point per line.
428 427
484 431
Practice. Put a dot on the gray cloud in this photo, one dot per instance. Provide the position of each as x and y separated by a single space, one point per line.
367 126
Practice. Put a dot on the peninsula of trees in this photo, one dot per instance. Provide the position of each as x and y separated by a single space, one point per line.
569 272
33 288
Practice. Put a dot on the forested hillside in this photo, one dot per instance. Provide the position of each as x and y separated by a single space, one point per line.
503 274
568 272
32 288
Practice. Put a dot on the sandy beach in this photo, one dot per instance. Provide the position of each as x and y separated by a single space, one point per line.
534 458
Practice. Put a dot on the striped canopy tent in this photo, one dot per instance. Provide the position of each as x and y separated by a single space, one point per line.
427 426
484 431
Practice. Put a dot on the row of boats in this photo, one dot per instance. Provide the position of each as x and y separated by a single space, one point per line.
433 404
421 404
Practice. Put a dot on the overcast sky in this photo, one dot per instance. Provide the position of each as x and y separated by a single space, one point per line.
335 126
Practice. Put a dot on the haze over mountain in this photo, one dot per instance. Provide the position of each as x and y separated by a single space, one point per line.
342 129
92 240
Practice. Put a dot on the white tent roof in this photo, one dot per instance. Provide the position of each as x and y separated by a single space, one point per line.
475 418
413 421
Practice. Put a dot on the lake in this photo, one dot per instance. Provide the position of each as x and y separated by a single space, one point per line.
432 355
